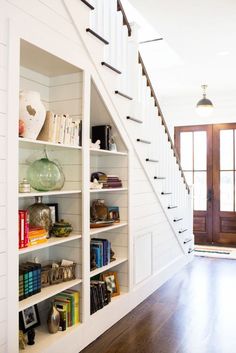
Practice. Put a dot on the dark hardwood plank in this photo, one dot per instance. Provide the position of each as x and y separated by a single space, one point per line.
194 312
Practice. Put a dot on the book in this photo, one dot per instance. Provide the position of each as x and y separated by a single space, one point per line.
97 245
59 300
68 124
23 228
61 307
62 129
76 295
105 249
102 133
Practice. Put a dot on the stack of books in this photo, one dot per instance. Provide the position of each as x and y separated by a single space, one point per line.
29 279
37 235
112 181
23 216
61 129
99 295
100 250
67 303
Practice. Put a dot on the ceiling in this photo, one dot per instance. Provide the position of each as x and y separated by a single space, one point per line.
199 47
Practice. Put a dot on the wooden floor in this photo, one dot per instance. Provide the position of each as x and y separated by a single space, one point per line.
194 312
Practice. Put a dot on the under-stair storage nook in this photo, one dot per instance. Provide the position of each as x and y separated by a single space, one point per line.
128 204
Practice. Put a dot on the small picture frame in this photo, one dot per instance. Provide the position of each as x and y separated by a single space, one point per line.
112 284
54 211
29 318
113 213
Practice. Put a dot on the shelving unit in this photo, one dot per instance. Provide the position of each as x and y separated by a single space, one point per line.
56 80
111 163
60 86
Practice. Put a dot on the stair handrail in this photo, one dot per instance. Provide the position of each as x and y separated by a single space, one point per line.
144 72
125 19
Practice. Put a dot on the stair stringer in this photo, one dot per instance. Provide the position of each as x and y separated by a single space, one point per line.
120 105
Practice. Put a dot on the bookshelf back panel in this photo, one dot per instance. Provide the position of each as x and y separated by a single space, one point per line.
61 94
71 166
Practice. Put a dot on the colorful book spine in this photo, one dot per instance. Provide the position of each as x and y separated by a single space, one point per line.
23 228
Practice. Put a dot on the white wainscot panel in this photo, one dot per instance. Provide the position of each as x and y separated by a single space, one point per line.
2 218
3 349
2 333
3 310
3 264
2 147
143 257
3 123
3 101
3 240
3 287
2 194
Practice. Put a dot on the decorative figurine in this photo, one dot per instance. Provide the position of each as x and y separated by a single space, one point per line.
31 337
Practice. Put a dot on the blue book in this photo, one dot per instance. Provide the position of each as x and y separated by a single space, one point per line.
105 250
100 246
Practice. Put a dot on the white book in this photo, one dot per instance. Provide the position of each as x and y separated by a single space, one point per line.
54 128
58 126
62 129
67 129
76 142
72 134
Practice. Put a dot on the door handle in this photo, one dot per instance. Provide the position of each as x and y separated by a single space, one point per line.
209 195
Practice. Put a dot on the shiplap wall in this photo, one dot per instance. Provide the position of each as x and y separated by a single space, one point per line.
3 157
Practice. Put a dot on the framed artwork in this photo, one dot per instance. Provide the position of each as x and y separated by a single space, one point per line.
29 318
113 213
54 211
111 280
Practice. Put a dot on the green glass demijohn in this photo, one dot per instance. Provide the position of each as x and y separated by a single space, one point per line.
45 175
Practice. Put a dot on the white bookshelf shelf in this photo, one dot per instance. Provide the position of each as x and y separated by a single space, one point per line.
44 339
51 242
107 267
98 152
94 231
108 190
23 140
48 193
46 293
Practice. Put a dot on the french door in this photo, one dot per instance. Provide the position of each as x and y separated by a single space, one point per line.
208 158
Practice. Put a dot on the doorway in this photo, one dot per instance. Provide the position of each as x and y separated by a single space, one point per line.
208 158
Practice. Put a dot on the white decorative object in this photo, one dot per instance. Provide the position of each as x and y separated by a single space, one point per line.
32 113
95 184
112 145
95 145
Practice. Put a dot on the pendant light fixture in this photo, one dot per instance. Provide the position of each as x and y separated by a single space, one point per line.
204 106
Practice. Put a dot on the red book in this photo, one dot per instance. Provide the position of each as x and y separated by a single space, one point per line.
23 229
26 233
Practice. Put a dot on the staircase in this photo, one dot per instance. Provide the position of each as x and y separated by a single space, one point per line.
112 45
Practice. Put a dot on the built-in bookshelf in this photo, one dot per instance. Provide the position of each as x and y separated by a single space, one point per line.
60 85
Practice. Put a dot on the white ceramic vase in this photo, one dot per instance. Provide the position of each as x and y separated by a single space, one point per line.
32 113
